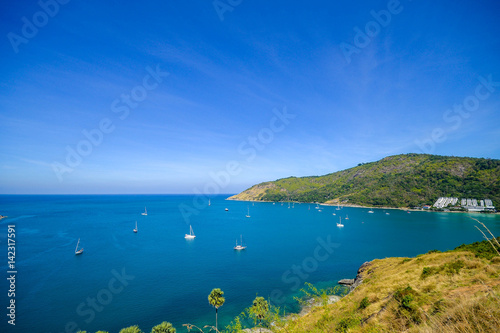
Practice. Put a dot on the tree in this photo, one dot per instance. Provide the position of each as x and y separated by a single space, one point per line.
164 327
131 329
259 309
216 299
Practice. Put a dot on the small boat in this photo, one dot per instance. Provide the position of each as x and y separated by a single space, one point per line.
191 234
226 209
135 230
239 247
338 207
346 217
248 215
317 206
209 202
76 249
387 213
145 212
339 224
370 211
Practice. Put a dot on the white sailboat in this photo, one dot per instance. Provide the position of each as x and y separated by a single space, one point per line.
248 215
135 230
339 224
240 247
145 211
191 234
370 211
76 249
346 217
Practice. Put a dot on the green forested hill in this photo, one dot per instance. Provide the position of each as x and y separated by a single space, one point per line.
395 181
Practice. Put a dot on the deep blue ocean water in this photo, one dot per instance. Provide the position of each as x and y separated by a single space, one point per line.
156 275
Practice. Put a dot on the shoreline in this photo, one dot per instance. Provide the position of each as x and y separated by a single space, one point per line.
369 207
318 302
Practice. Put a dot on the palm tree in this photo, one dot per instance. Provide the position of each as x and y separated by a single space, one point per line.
131 329
164 327
259 309
216 300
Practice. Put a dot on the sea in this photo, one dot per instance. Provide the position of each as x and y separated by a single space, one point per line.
125 278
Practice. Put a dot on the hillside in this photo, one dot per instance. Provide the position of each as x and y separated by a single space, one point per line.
396 181
455 291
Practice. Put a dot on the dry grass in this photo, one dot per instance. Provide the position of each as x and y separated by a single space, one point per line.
459 293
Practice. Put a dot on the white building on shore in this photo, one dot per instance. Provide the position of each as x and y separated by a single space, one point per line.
471 205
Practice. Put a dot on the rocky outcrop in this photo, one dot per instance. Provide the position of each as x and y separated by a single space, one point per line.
346 282
353 283
254 193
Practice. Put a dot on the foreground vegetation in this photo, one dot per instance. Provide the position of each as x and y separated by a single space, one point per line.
453 291
456 291
410 180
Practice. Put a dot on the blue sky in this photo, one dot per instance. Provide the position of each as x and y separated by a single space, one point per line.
268 92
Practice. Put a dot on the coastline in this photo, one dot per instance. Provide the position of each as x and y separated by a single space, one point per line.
382 282
368 207
318 302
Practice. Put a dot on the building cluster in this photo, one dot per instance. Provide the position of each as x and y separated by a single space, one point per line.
471 205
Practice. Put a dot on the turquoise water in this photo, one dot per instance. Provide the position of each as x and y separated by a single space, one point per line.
124 279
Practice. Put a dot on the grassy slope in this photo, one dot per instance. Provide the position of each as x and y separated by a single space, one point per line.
395 181
436 292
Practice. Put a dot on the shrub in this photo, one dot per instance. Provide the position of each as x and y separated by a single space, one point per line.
428 271
407 308
364 303
131 329
406 302
480 249
453 267
164 327
346 323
